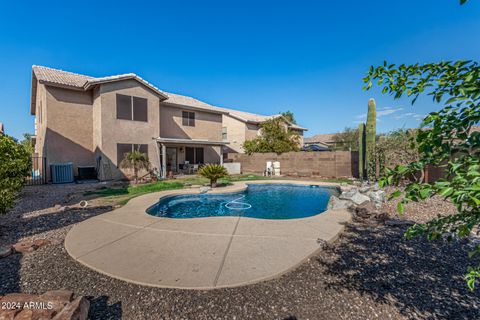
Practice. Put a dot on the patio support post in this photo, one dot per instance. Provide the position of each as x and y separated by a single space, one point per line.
221 155
164 161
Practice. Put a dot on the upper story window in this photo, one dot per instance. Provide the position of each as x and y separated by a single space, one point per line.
132 108
224 133
188 118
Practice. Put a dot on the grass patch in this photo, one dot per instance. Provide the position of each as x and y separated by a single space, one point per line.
137 190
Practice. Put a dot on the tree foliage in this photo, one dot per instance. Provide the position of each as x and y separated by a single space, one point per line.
15 166
213 172
448 140
274 137
398 147
347 140
289 116
27 142
137 161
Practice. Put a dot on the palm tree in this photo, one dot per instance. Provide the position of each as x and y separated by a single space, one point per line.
213 172
135 160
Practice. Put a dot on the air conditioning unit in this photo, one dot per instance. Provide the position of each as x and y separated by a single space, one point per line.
61 172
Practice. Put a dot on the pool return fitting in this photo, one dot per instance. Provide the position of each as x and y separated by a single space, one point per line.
237 205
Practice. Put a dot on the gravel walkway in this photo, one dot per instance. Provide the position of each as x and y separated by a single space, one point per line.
371 272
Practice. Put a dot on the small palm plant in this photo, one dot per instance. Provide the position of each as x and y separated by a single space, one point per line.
213 172
135 160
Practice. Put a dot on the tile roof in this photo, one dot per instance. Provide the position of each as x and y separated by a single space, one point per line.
321 138
178 99
73 80
60 77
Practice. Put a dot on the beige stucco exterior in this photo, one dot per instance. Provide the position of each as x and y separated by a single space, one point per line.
208 126
76 121
82 126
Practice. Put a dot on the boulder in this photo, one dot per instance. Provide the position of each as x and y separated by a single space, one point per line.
204 189
56 304
355 196
335 203
5 251
24 247
8 314
378 197
365 210
75 310
29 246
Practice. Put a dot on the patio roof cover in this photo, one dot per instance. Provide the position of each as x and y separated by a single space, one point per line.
191 141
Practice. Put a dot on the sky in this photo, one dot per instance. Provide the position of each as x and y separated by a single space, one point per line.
264 57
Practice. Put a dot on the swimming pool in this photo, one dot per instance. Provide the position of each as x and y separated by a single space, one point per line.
263 201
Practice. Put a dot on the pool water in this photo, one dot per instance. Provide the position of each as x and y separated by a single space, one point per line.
263 201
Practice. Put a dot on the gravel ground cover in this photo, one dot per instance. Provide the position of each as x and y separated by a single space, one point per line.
370 272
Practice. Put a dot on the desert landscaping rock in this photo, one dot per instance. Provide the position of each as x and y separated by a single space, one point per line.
370 272
76 310
378 197
55 304
5 251
355 196
336 204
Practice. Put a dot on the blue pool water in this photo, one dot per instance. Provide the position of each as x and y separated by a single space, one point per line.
264 201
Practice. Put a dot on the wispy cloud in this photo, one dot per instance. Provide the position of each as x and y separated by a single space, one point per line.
416 116
381 113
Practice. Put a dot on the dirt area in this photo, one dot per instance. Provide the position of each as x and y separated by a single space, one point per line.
370 272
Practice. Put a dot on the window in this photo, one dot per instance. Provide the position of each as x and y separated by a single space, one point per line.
124 107
188 118
123 148
140 109
194 155
132 108
224 133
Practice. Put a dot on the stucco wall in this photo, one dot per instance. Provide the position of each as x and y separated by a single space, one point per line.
114 131
68 134
208 126
235 133
41 124
251 131
323 164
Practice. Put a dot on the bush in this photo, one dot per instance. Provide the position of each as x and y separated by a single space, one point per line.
274 137
15 166
213 172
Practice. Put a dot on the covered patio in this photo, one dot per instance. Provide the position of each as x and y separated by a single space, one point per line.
179 155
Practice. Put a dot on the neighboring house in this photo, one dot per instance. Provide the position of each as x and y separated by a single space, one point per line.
93 122
239 126
321 140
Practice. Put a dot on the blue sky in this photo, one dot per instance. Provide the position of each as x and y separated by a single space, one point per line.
259 56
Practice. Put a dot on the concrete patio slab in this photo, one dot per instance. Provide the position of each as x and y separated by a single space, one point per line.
159 258
210 225
252 259
198 253
93 234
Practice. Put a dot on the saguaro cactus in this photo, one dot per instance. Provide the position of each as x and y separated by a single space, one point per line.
361 151
371 131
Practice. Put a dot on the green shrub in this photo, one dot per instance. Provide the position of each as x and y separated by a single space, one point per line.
15 166
213 172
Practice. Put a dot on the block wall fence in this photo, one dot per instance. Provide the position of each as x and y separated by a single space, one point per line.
331 164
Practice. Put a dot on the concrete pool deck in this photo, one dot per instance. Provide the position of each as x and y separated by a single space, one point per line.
198 253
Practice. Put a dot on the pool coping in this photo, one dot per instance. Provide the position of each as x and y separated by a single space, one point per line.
133 217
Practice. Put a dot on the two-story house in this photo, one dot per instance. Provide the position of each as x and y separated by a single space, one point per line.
93 122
